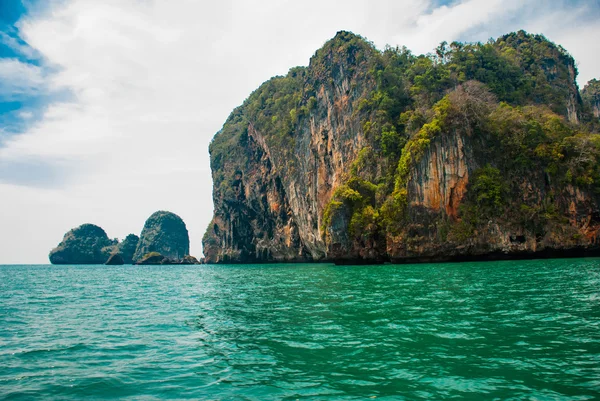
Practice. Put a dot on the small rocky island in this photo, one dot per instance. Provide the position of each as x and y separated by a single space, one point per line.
86 244
164 240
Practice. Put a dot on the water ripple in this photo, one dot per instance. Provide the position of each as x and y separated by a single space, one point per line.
502 330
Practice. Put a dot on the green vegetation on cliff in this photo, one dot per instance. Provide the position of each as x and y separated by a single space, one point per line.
164 233
127 247
397 153
86 244
591 101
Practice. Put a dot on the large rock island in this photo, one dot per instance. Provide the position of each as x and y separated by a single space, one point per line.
86 244
164 234
475 151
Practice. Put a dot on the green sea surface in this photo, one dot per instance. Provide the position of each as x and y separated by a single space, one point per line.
514 330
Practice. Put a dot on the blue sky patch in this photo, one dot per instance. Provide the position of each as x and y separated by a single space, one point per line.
21 104
11 11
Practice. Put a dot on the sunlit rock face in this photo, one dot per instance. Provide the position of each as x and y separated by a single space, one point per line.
367 156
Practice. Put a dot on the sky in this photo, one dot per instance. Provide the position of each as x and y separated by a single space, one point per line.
107 107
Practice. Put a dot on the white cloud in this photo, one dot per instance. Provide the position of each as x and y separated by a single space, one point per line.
585 52
576 31
450 22
18 47
152 81
19 79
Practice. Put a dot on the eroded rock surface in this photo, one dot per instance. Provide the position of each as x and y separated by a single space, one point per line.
368 156
115 260
86 244
164 233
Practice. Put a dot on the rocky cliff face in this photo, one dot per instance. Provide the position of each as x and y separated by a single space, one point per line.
86 244
164 233
446 219
548 73
126 249
115 259
271 191
368 156
591 97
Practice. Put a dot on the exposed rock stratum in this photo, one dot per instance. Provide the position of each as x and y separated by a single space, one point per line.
478 151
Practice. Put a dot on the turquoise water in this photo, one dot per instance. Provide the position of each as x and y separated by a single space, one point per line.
498 330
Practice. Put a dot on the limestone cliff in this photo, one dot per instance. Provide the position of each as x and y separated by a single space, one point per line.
367 156
86 244
591 97
126 249
164 233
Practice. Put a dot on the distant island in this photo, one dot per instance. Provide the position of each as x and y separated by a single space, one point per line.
164 240
476 151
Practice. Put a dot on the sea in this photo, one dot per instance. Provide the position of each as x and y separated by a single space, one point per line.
507 330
